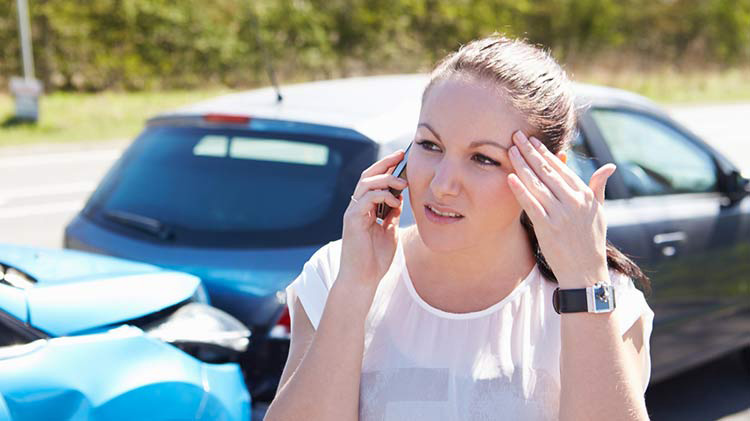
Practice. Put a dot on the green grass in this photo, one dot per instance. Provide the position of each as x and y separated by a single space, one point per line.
79 117
668 86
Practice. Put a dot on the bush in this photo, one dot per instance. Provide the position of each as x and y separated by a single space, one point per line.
161 44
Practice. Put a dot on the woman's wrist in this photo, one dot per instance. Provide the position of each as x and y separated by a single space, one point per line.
358 295
584 277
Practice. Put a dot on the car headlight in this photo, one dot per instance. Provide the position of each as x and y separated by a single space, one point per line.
200 295
205 332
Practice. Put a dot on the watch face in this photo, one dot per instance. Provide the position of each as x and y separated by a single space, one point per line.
603 299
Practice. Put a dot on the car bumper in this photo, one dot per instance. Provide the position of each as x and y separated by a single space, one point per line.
119 374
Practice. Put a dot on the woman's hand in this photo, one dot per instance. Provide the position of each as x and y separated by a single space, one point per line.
568 215
367 247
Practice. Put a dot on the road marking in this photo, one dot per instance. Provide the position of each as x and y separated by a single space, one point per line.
59 158
35 210
47 190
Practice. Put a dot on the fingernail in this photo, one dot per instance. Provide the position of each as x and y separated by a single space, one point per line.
519 136
514 151
534 141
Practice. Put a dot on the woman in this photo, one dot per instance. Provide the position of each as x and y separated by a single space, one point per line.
453 318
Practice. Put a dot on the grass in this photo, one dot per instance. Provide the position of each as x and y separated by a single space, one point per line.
83 117
668 86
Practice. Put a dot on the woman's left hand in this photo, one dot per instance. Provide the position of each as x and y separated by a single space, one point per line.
568 215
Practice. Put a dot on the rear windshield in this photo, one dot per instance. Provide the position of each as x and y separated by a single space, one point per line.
231 188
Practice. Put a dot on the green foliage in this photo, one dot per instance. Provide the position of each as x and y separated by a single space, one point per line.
92 117
161 44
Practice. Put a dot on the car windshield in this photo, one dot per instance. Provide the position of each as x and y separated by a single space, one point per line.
233 188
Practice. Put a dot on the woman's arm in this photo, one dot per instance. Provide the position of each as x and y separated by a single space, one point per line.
324 366
599 370
325 383
598 374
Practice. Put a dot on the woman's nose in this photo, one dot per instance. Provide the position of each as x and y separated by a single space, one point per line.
445 180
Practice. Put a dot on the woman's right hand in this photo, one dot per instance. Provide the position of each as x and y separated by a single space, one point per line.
367 248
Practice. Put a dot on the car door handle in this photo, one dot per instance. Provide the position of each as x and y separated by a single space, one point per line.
670 237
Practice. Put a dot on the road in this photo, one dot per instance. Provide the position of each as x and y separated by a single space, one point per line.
722 125
42 187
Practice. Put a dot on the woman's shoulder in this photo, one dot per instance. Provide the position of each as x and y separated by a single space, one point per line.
328 252
313 283
325 262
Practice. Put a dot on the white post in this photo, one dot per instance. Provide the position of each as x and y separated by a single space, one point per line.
25 32
26 90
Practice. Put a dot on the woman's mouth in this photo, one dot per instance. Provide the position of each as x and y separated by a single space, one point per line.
441 217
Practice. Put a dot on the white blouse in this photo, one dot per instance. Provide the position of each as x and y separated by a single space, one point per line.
422 363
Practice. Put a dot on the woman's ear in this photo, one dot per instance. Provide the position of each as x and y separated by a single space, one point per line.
563 157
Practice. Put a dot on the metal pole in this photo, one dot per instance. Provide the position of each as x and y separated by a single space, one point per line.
23 26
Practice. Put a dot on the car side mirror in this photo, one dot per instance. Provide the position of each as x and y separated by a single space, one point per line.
736 186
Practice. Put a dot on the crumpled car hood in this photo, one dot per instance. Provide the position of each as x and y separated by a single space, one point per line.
78 291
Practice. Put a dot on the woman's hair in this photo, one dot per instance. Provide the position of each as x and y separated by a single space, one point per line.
539 88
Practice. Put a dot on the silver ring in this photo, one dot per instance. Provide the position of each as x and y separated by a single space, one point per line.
355 200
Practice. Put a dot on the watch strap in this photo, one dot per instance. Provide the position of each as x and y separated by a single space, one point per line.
570 300
599 298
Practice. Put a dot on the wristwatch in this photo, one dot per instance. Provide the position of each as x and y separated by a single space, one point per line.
599 298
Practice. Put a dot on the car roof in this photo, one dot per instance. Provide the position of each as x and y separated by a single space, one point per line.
379 107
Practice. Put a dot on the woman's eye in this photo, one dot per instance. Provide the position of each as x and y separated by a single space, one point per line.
486 161
427 145
431 146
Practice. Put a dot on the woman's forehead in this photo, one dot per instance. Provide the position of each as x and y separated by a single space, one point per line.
469 109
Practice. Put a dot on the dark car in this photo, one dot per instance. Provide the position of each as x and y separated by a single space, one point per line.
241 190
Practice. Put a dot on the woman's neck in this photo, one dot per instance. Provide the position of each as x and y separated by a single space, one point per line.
501 263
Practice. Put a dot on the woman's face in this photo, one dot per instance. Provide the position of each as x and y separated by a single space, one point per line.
459 163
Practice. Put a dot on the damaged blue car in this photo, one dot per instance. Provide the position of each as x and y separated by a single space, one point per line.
86 336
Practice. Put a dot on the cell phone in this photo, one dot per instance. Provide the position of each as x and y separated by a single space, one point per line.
399 171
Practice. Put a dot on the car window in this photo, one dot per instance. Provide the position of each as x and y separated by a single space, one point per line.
580 158
653 157
278 150
229 187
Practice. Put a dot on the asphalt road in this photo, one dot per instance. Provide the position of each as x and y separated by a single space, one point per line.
722 125
43 186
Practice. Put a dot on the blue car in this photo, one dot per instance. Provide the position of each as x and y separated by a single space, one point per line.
242 189
84 336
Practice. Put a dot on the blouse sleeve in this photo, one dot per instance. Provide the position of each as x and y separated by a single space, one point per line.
314 282
630 304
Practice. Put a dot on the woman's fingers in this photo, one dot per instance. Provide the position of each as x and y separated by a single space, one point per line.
528 202
379 182
382 166
531 182
599 179
368 202
565 171
546 172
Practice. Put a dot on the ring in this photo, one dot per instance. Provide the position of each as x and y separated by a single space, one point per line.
355 200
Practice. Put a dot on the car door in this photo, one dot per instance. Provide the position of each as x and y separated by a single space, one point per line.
694 235
625 232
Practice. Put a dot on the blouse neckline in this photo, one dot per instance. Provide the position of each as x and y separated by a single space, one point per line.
446 314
